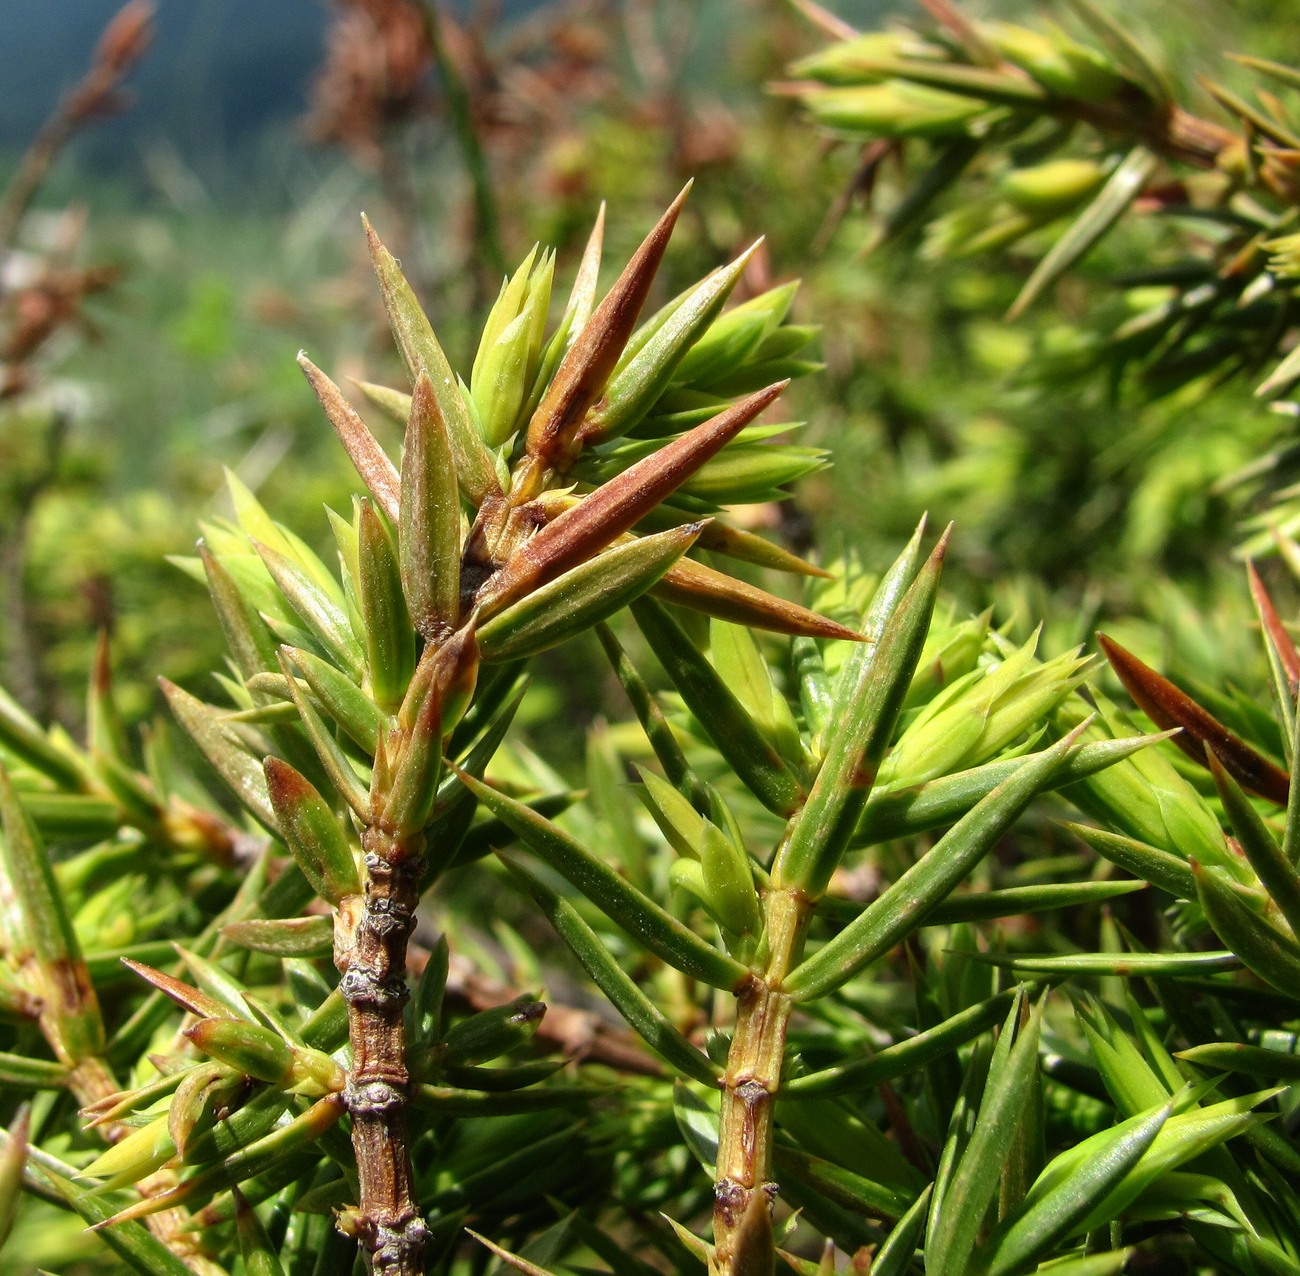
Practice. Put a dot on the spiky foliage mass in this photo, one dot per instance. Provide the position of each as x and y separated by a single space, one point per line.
792 923
516 521
1069 152
1045 129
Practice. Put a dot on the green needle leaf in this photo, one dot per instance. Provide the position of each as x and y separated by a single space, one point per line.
31 1074
867 702
475 472
242 774
255 1246
1057 1203
21 736
339 696
1158 867
377 472
584 595
1274 957
247 1047
131 1242
654 723
903 1057
951 1238
1284 659
13 1156
627 998
634 388
255 1158
1276 872
284 936
842 1186
895 1256
510 1259
70 1012
904 905
327 621
1253 1061
1181 1138
896 109
1126 965
312 833
622 902
755 761
249 640
332 758
1122 187
389 638
429 526
510 348
1017 901
970 81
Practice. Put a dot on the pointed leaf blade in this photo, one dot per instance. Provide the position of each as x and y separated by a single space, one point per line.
584 595
1167 707
429 526
370 460
755 761
475 472
905 904
867 704
627 998
634 911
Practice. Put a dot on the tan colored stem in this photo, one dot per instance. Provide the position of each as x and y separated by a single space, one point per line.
744 1190
372 957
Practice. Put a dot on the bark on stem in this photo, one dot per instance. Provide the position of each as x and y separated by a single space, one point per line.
371 953
744 1190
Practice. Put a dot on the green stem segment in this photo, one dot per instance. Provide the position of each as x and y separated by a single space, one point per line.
371 954
744 1190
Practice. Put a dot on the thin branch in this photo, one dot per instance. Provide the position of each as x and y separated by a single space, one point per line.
487 233
122 44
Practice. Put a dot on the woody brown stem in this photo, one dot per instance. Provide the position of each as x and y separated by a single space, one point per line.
371 953
744 1189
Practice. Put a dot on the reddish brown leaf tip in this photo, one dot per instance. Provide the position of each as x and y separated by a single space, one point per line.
1167 707
284 783
828 23
188 998
1274 630
1075 733
127 37
371 461
103 668
552 432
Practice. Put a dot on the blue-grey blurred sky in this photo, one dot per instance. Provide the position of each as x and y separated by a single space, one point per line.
221 76
218 68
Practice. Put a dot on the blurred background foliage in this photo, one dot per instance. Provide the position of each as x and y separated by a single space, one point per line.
219 204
